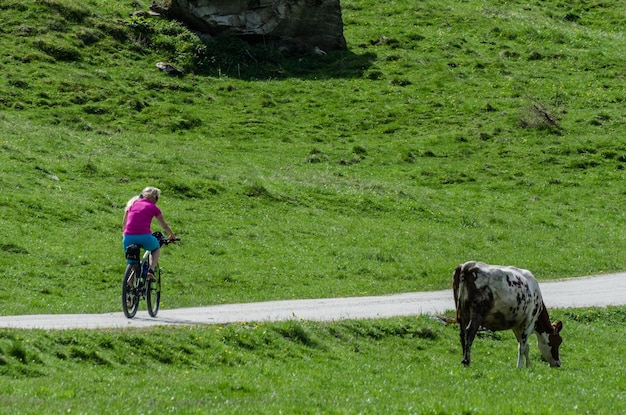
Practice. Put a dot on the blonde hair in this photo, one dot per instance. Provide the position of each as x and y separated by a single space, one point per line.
145 193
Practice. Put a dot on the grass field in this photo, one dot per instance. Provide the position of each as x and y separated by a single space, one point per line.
402 365
453 131
448 131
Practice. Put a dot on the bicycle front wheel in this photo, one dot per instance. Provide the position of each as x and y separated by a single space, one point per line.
153 294
130 294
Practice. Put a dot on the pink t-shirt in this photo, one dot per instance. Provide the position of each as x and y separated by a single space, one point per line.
140 217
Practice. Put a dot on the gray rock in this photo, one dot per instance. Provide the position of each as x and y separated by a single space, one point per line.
295 26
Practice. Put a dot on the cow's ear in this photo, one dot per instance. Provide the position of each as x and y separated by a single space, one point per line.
558 326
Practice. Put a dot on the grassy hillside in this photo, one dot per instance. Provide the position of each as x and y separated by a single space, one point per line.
396 366
448 131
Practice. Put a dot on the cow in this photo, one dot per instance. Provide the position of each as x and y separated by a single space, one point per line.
502 298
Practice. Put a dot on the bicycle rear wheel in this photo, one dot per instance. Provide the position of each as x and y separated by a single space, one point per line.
130 294
153 294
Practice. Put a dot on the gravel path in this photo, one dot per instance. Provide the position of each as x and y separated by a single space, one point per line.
598 291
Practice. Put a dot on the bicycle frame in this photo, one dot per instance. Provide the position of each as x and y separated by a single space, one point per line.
136 286
144 264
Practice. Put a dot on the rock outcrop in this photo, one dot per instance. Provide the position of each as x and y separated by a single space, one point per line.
293 25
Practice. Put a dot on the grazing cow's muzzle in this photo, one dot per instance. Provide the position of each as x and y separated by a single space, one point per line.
557 363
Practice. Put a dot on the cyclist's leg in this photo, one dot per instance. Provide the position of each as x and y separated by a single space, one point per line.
154 258
151 243
148 242
126 242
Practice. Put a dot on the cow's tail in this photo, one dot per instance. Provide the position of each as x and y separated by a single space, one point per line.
456 288
460 285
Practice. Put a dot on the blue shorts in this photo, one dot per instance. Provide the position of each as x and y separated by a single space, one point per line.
147 241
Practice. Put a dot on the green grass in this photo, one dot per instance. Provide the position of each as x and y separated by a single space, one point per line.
448 131
403 365
453 131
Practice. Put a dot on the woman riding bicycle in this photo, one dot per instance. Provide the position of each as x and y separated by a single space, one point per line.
136 224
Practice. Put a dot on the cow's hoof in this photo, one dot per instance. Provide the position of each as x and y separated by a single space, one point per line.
465 362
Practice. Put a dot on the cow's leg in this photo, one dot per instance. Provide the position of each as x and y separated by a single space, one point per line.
523 347
470 333
522 353
462 335
526 336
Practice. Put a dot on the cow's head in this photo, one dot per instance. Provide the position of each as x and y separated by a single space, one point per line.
549 344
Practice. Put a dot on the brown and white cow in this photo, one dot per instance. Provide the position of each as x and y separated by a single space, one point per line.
503 298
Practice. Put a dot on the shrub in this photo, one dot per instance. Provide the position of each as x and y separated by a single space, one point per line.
58 49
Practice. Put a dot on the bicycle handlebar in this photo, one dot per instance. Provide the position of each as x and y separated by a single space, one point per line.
163 240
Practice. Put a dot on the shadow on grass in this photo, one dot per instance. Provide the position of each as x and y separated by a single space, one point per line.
332 65
236 58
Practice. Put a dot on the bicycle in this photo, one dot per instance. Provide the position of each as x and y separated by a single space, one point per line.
136 286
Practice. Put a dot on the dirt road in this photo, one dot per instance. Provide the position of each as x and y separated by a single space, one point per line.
598 291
